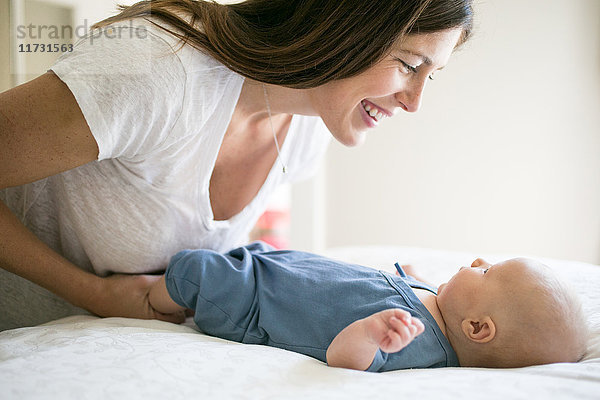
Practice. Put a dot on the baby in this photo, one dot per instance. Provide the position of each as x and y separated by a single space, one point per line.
511 314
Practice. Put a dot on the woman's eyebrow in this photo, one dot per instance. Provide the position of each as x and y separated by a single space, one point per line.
425 59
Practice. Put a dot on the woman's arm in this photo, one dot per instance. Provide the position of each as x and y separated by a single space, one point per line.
356 345
42 133
160 300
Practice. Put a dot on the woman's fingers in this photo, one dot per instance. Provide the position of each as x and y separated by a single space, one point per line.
176 318
127 296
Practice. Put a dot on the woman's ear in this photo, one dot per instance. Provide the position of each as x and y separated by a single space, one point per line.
479 330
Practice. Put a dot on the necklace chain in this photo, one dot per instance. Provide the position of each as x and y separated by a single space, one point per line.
273 129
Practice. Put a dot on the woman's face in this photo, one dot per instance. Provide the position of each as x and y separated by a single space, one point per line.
350 107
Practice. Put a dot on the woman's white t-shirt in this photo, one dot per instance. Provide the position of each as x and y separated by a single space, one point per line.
158 117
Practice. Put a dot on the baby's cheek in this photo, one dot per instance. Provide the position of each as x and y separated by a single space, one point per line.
440 288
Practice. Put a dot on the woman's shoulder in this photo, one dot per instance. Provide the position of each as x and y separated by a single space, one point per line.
154 37
193 59
209 83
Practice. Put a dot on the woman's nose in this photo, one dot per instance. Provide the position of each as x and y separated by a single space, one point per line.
411 96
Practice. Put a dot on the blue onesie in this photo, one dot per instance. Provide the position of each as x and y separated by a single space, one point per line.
298 301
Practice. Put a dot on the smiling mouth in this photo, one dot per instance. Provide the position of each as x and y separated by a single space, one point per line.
373 111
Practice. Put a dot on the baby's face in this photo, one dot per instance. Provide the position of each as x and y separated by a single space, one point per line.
478 287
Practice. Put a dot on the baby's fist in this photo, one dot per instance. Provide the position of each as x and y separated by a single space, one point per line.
393 329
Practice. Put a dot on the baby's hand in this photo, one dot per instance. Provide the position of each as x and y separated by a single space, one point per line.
392 329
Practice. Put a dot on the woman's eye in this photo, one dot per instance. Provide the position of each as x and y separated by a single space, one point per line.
412 69
408 67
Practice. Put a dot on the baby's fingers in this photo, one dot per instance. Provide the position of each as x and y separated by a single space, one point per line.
416 327
401 314
397 337
402 328
395 340
420 328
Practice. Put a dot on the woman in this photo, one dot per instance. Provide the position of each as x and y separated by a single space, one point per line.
137 145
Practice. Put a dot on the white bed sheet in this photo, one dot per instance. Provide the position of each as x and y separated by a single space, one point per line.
86 357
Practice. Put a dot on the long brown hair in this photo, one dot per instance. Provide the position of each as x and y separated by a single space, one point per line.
300 43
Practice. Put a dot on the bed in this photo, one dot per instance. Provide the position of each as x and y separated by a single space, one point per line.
85 357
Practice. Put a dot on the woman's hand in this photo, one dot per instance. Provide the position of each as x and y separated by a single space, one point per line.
127 296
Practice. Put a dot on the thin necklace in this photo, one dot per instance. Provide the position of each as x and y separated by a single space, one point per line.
273 129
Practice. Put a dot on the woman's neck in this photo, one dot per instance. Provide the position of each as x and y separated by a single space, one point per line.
282 100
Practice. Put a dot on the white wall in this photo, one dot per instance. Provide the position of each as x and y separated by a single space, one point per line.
36 17
504 155
5 45
90 12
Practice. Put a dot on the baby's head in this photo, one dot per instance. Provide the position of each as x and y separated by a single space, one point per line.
511 314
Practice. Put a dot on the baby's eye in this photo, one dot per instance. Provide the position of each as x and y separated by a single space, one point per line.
485 270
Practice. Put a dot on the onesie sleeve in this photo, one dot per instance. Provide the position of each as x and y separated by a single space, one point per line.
129 85
378 362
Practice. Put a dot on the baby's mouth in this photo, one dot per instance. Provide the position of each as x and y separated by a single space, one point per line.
373 111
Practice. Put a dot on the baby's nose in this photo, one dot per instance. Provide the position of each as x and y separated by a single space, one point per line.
478 263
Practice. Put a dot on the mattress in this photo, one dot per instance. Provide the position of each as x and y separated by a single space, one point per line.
84 357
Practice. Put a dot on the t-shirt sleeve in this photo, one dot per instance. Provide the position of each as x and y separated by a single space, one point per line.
129 84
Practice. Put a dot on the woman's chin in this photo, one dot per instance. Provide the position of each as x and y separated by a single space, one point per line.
354 139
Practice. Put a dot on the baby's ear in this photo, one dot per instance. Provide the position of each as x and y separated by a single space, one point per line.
479 330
